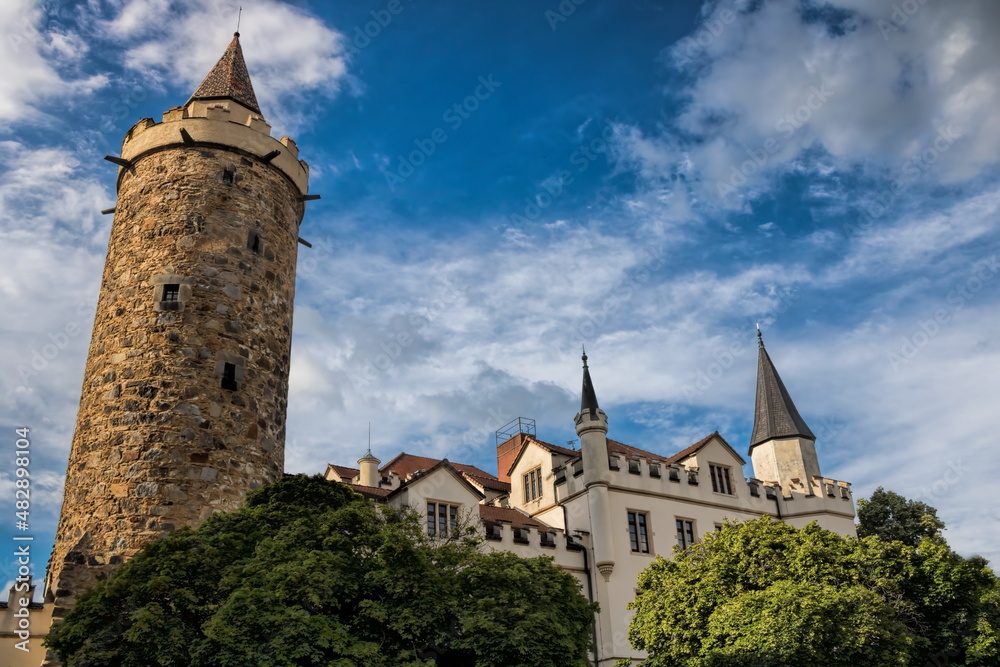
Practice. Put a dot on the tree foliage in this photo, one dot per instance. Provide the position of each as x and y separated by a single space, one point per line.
889 516
310 573
762 592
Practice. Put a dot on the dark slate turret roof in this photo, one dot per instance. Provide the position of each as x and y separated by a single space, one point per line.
588 401
775 415
229 79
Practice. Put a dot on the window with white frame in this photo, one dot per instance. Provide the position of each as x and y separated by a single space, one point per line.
720 479
685 533
533 485
442 519
638 531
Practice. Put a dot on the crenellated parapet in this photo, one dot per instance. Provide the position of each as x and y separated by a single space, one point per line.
223 124
686 482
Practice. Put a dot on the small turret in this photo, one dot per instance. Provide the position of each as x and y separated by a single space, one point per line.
592 427
368 465
782 446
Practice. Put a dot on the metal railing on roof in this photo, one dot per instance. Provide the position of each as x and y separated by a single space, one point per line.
515 426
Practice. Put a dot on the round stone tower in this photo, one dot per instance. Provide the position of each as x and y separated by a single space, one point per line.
185 390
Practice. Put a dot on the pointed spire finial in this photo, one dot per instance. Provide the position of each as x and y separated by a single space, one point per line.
588 400
239 17
368 454
584 357
760 336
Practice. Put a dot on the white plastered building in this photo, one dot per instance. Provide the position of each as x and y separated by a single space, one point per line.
606 510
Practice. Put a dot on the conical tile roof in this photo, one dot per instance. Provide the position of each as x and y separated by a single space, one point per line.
775 415
229 79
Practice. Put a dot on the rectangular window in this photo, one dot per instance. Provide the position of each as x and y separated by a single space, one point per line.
720 479
533 485
171 293
442 519
685 533
229 377
255 243
638 532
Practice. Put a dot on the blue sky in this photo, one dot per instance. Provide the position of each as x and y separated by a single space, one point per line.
503 182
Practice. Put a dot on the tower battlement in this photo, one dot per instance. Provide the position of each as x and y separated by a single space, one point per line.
216 123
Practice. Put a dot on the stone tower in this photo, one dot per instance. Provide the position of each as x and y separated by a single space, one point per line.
185 390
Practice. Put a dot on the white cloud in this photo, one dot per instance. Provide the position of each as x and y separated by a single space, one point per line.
773 85
290 54
36 55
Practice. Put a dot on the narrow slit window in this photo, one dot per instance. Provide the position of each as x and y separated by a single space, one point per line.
228 176
255 243
229 376
171 293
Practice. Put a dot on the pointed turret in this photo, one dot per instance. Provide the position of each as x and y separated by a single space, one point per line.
590 411
775 415
592 427
782 446
588 399
229 79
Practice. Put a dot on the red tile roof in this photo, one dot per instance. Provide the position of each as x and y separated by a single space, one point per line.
556 448
628 450
345 473
514 517
371 492
405 465
688 451
482 478
229 79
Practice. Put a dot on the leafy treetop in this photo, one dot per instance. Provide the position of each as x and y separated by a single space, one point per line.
310 573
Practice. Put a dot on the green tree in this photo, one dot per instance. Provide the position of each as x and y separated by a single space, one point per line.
889 516
762 592
310 573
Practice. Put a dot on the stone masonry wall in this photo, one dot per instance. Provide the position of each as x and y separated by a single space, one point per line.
159 442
